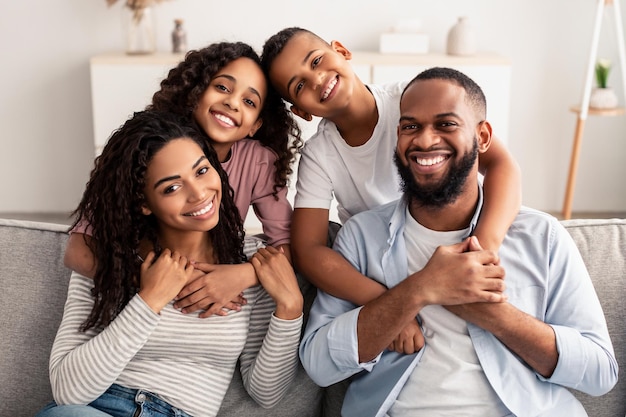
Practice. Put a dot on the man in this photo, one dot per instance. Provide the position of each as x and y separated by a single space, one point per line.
506 357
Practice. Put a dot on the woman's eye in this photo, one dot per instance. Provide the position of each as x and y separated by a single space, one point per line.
203 170
221 87
171 189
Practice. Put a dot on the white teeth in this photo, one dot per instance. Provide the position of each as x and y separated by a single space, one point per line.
201 212
329 89
225 119
429 161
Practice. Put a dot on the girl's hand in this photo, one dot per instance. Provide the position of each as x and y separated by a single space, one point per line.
277 277
410 339
162 279
215 288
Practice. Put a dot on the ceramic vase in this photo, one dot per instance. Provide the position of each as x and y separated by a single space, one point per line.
603 98
461 38
139 30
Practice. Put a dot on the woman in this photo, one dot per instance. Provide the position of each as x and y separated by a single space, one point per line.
159 201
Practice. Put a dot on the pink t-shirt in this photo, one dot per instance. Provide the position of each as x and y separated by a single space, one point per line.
250 172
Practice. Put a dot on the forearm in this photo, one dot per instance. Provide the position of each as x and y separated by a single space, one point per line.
78 256
329 271
502 195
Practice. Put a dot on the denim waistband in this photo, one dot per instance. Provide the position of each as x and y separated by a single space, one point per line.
147 401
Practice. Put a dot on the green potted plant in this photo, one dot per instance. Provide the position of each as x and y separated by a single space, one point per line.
603 97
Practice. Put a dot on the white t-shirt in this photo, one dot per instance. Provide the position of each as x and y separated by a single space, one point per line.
449 379
359 178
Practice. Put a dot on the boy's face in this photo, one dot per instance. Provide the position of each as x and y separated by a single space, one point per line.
314 76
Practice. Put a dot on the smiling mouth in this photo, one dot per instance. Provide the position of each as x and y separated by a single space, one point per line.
224 119
330 88
202 211
430 161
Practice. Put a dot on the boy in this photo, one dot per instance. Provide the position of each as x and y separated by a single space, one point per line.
351 157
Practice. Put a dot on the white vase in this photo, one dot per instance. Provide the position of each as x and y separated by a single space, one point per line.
461 38
603 98
139 30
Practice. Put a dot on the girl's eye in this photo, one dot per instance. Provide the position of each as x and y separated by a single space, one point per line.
249 102
299 87
316 61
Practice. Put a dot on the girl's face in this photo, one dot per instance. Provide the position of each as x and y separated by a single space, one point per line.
182 189
229 109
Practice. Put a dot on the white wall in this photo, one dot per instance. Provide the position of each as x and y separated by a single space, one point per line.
45 114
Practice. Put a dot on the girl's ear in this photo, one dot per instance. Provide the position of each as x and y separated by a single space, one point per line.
145 210
301 113
257 125
484 136
340 49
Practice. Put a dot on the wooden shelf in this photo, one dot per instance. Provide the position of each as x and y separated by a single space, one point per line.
616 111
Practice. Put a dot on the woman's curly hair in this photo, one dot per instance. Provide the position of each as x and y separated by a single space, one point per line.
185 84
112 205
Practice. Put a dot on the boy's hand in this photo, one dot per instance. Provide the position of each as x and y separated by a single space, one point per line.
215 288
410 339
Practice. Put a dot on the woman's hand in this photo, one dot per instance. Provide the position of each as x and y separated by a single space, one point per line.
277 277
163 278
215 288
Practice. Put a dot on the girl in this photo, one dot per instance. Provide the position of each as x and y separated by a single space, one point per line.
158 197
223 89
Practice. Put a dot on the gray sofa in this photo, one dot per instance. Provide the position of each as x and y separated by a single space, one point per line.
33 292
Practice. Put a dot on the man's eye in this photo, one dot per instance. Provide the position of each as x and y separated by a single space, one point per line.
411 126
447 125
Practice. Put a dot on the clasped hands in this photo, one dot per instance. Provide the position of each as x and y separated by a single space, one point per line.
464 278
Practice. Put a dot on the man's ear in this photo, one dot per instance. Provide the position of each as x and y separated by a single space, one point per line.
340 49
145 210
484 136
257 125
301 113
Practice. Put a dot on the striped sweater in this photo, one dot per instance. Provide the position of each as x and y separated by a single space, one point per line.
186 360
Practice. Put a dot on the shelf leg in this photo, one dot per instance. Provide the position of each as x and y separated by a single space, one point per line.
573 167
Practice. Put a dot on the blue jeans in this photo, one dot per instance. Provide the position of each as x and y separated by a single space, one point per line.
117 401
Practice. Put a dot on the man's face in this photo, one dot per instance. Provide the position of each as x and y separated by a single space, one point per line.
437 142
313 75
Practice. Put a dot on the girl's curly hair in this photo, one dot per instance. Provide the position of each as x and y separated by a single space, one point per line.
185 84
112 204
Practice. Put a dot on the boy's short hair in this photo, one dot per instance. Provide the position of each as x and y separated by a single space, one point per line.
277 42
474 93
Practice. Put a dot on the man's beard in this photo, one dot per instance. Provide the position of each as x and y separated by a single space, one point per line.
443 193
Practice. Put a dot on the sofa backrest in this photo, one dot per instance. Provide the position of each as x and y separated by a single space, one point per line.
32 294
602 244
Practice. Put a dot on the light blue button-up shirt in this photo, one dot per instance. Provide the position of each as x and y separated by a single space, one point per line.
545 277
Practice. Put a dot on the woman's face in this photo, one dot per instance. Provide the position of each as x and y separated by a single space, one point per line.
182 189
229 108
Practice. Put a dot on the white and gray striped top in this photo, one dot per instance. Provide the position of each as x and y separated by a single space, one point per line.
186 360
